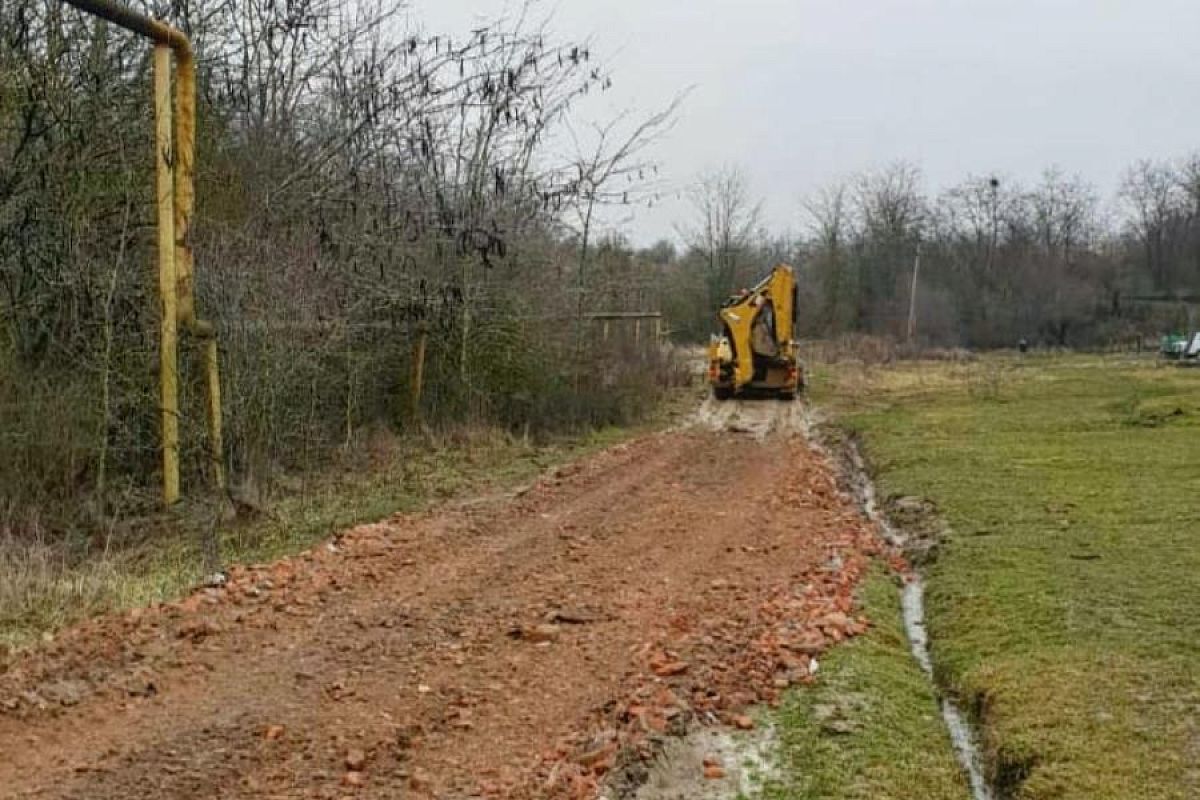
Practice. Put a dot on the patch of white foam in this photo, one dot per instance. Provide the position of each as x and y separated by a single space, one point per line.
678 772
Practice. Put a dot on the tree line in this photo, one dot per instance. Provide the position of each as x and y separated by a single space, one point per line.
996 261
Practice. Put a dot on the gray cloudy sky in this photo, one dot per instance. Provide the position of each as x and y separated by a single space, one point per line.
798 92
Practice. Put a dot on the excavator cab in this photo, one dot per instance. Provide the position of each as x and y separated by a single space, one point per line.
757 350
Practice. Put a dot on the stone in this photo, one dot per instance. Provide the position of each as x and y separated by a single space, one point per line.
537 634
667 669
355 760
65 692
197 631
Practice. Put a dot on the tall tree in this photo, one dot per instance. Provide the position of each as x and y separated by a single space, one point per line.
725 219
1156 200
891 211
831 226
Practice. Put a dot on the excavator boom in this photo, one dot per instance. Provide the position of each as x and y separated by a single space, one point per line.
757 348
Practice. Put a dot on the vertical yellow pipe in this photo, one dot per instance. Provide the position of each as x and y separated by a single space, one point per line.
169 319
418 377
185 203
215 437
185 195
174 202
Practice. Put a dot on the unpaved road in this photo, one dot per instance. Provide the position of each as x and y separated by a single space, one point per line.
525 646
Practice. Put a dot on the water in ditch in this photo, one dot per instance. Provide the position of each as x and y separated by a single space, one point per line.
913 603
672 779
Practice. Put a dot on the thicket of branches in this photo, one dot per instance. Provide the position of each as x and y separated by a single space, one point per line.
1051 263
359 181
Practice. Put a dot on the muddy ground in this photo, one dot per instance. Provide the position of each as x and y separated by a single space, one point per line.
549 643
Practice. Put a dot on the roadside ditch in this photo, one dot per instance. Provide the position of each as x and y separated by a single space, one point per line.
918 541
751 760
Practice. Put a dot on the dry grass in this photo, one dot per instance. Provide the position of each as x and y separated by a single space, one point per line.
47 583
858 348
42 588
860 385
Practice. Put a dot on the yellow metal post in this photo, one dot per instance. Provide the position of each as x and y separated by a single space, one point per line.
185 203
215 438
185 194
169 313
418 373
175 202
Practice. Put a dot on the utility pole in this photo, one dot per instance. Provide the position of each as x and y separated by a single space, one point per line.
994 186
912 294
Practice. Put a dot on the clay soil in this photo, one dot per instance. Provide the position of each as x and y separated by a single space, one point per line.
530 645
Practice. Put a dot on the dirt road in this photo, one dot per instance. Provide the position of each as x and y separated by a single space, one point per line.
521 646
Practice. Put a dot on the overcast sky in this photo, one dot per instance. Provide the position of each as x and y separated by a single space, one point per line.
798 92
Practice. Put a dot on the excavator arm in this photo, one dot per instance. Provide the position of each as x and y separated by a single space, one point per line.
757 349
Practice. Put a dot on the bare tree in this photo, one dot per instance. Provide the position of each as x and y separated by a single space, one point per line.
1064 214
1189 181
892 211
831 226
975 213
1156 199
726 218
889 201
612 170
363 185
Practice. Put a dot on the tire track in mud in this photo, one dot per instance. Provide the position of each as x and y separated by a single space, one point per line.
541 645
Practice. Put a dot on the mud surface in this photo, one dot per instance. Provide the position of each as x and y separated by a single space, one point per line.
709 763
543 645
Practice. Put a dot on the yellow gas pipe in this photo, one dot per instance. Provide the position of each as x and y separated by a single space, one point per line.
175 202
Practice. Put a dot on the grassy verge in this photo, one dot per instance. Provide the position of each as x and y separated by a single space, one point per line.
1064 601
43 588
870 728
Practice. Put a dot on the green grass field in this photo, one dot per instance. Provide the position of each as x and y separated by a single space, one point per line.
1064 601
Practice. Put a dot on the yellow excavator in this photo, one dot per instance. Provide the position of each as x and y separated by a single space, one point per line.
757 351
